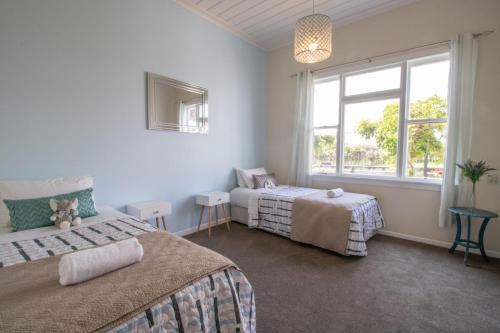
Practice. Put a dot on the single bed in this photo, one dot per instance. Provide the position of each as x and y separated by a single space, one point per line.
307 215
217 301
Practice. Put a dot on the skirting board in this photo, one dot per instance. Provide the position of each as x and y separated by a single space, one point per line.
489 253
192 230
493 254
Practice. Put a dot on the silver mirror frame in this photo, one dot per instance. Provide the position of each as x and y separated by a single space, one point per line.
155 124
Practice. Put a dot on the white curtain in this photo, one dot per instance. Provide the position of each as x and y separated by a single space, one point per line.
463 63
300 168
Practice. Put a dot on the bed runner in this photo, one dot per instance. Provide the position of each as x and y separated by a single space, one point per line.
74 239
32 300
323 221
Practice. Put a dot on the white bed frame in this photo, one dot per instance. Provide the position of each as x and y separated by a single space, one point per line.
239 214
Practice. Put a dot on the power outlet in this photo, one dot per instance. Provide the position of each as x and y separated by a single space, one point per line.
492 179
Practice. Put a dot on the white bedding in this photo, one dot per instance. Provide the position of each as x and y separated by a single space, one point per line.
248 198
241 196
105 213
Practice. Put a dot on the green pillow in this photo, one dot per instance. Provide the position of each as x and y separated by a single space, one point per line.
35 213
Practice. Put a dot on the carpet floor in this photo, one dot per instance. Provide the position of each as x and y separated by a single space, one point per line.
401 286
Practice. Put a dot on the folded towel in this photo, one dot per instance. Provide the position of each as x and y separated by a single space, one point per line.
84 265
335 193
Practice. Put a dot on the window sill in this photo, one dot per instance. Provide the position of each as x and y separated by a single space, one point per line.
425 185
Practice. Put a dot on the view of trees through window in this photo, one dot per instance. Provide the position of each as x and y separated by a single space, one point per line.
372 141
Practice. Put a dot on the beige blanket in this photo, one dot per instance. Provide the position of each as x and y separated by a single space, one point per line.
32 300
323 221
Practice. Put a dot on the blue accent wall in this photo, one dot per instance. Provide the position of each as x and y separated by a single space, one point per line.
73 99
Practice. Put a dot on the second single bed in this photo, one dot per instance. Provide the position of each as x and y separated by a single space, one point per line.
307 215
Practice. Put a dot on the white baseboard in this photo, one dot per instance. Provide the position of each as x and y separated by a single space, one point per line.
192 230
489 253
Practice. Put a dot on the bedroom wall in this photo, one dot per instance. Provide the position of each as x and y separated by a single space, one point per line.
73 99
410 213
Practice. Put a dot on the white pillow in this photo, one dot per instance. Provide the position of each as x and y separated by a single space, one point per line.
17 190
239 178
247 175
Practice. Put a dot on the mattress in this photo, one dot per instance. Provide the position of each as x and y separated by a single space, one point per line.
241 196
223 301
244 196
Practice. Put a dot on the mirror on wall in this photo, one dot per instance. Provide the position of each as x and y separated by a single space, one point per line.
176 106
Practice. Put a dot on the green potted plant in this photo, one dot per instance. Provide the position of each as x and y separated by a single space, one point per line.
473 171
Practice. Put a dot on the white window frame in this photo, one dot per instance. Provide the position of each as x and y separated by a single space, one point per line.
326 127
404 61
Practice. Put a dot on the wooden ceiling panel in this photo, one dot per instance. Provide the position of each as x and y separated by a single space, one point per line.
270 24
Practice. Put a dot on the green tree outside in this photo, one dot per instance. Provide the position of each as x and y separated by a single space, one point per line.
324 149
425 141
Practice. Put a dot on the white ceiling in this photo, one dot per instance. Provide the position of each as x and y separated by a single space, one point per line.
269 24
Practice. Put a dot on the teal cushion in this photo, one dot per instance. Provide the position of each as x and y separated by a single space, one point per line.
35 213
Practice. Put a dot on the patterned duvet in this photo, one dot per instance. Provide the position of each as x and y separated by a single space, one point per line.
221 302
272 211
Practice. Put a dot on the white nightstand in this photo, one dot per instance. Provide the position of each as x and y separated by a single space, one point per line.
209 200
151 209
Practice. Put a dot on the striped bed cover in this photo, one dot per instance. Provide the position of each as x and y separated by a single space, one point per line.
272 211
221 302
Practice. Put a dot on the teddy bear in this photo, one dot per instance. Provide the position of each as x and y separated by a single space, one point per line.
65 213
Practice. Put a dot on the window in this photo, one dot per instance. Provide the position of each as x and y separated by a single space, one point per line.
373 81
370 137
386 121
326 120
426 124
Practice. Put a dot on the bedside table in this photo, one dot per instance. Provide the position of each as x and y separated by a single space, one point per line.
209 200
151 209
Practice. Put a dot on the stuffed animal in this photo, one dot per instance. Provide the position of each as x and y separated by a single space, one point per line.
269 184
65 213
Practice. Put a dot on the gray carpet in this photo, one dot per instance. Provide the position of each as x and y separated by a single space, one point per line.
401 286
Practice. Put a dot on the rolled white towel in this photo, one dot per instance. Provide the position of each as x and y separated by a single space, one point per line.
84 265
335 193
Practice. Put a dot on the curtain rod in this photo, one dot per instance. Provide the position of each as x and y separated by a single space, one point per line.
370 59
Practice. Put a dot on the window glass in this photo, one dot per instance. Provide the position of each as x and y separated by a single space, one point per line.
380 80
326 103
325 150
370 129
429 90
371 137
426 150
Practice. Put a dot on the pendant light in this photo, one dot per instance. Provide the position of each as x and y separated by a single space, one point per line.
313 38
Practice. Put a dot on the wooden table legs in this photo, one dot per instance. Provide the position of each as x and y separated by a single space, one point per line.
209 220
226 218
201 217
162 221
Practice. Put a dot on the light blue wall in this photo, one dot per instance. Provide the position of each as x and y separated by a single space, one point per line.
73 99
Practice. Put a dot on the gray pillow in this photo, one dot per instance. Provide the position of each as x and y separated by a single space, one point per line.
260 181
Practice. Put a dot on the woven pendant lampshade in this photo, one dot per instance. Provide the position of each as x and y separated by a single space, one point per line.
313 39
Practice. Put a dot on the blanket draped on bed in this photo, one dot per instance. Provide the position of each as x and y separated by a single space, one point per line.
323 221
32 290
